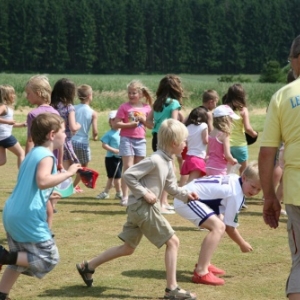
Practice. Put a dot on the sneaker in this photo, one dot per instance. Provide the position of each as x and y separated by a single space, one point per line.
167 211
118 196
208 278
102 195
283 212
170 207
77 189
124 201
214 270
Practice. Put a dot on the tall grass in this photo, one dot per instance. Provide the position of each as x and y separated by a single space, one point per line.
110 90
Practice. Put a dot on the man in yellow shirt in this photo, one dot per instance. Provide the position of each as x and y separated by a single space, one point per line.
283 124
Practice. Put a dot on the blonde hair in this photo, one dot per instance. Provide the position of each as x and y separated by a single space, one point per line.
223 124
171 131
40 85
6 93
251 171
209 95
83 92
142 89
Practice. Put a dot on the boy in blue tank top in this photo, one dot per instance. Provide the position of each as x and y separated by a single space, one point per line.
32 250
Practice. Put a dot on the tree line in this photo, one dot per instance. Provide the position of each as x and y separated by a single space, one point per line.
145 36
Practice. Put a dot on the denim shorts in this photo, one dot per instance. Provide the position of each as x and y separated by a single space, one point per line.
42 257
132 147
239 153
8 142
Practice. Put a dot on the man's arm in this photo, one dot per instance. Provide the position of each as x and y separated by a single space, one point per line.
272 206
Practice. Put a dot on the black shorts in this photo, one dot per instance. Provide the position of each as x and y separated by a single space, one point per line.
154 141
8 142
113 167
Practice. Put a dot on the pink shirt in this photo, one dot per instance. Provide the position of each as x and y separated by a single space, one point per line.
127 114
216 158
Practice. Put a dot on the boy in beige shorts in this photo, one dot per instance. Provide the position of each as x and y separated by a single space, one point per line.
146 180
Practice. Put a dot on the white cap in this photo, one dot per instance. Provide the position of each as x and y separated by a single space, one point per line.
225 110
112 114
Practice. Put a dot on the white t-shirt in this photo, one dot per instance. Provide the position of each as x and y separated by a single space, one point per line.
194 141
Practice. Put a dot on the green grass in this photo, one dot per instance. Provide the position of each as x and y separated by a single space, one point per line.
110 90
84 227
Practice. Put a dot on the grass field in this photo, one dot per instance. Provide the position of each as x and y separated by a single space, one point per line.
85 226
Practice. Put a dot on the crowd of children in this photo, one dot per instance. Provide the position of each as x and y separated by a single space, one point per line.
58 139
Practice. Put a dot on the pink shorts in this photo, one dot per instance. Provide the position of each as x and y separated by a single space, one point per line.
211 171
193 163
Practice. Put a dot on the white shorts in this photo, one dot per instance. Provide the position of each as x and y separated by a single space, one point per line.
194 211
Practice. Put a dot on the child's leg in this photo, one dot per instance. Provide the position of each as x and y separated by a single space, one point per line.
2 156
243 166
194 175
216 230
107 255
171 253
117 184
8 279
18 151
127 162
50 213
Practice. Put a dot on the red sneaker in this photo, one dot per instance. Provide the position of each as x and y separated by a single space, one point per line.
208 278
214 270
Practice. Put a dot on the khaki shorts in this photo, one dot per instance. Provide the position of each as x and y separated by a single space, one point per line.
293 228
145 219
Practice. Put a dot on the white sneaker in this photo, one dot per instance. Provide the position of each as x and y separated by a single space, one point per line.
167 211
283 212
124 201
169 207
102 195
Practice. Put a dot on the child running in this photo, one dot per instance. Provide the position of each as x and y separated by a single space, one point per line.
32 250
218 195
87 118
131 119
7 140
146 180
218 149
194 163
113 162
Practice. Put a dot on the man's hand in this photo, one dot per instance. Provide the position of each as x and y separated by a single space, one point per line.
271 211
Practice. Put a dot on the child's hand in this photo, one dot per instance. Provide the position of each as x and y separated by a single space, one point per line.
192 196
11 122
74 168
246 247
135 123
234 162
150 197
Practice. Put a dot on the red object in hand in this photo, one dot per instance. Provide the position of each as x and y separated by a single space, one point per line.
88 177
183 153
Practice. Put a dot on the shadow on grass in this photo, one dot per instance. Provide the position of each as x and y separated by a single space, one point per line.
76 291
98 212
88 201
180 228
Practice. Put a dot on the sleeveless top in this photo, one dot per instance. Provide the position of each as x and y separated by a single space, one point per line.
5 129
237 136
216 158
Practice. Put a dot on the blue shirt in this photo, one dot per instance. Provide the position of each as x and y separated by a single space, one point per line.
112 139
25 211
83 115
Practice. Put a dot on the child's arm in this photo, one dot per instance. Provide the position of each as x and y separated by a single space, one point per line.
204 136
74 126
120 124
109 148
210 121
247 125
18 125
44 177
7 122
95 126
149 120
234 234
29 144
175 114
227 154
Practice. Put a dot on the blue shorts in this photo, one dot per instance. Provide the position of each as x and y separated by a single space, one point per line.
82 151
132 147
8 142
239 153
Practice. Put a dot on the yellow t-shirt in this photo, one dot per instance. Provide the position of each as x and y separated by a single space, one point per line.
283 124
237 136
